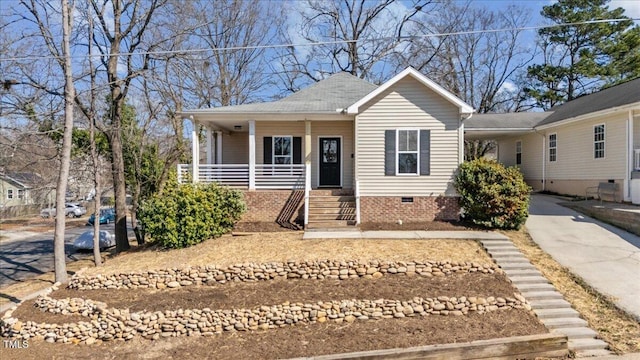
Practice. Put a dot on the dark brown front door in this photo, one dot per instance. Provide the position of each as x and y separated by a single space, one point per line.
330 156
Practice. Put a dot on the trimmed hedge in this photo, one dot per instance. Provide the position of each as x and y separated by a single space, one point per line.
187 214
491 195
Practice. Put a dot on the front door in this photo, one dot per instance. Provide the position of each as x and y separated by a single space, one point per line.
330 156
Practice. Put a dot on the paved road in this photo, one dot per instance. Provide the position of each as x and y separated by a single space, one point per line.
32 256
606 257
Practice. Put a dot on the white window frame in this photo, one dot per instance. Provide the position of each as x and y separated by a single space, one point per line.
518 151
21 194
554 147
603 141
273 149
9 194
398 152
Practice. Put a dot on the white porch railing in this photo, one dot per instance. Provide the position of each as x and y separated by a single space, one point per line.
278 176
636 159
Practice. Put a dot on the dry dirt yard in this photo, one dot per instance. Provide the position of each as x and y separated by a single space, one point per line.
303 339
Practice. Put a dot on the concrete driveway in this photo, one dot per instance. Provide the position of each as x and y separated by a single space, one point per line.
606 257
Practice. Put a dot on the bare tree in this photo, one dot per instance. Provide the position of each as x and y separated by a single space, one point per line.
356 36
123 25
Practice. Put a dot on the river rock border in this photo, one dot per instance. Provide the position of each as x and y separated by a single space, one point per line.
249 272
107 324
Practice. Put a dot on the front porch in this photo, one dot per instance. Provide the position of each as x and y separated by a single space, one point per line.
275 162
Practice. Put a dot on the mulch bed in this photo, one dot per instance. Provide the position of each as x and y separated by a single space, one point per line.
299 340
250 295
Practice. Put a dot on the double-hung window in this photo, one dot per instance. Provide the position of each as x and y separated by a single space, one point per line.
408 152
518 152
20 194
282 150
9 193
598 141
553 147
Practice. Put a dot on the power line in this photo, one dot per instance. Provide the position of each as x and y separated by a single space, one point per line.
318 43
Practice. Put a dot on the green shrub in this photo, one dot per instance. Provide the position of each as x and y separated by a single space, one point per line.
491 195
186 214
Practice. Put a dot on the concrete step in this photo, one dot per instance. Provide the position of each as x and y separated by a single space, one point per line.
324 217
579 345
556 313
541 295
332 205
326 224
331 192
549 304
580 332
528 280
336 211
596 353
320 199
517 266
500 246
540 287
522 272
558 323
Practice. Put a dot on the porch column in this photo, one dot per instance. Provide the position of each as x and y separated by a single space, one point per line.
209 146
195 151
218 147
307 169
252 154
630 158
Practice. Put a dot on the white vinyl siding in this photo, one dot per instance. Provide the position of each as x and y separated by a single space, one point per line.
531 162
409 105
577 161
235 148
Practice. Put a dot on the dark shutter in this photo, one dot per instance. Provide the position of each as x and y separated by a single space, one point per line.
425 152
268 148
390 152
297 150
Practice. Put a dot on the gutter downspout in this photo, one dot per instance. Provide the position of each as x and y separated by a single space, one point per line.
630 157
544 160
461 138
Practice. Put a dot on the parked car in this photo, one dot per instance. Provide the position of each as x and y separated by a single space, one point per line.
85 240
70 210
107 216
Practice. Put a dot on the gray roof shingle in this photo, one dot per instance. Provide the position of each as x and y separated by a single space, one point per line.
336 92
619 95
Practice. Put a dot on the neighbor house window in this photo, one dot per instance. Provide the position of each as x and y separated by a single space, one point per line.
20 194
9 193
598 141
553 147
282 150
518 152
408 153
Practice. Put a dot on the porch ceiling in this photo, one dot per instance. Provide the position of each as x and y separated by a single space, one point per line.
239 122
492 134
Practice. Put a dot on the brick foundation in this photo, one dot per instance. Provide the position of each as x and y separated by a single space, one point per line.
423 208
266 206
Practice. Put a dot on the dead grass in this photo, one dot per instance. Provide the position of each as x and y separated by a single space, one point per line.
613 325
267 247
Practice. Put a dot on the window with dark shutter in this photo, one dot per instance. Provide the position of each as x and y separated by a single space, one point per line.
267 150
406 153
297 150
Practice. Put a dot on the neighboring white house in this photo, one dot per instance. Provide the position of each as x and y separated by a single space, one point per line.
340 151
586 141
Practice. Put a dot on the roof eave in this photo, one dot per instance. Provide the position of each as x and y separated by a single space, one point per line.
605 112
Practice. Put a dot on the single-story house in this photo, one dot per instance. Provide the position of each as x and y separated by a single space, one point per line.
339 152
590 140
22 188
